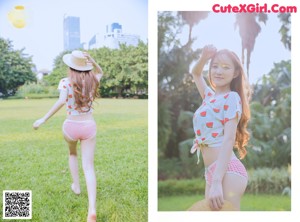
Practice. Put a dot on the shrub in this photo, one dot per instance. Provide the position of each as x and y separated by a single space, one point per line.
181 187
176 169
169 169
267 180
143 96
37 90
263 180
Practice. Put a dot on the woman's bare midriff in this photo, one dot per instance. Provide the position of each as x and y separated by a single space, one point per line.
210 154
82 117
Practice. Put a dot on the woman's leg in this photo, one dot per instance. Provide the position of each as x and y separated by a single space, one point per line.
234 187
73 164
88 150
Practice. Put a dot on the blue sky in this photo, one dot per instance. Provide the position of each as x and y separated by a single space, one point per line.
43 36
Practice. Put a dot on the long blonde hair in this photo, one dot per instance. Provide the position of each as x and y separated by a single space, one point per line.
85 87
240 85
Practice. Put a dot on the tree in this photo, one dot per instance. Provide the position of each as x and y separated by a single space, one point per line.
125 69
249 29
176 90
270 123
168 29
271 112
15 68
192 18
285 29
60 70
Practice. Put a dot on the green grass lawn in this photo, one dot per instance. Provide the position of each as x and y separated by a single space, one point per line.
249 202
38 160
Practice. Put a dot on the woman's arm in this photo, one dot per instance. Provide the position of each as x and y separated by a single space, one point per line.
96 66
207 53
59 103
98 69
216 192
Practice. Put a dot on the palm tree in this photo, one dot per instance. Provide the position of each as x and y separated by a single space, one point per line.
192 18
249 29
285 29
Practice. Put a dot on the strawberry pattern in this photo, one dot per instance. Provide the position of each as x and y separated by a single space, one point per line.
65 85
210 118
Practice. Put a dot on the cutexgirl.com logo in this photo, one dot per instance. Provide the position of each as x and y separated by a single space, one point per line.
250 8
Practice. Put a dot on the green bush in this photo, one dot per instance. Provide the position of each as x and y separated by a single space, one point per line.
37 90
181 187
263 180
176 168
44 90
143 96
169 169
134 96
267 180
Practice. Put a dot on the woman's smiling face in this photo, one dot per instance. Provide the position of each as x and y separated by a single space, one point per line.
222 71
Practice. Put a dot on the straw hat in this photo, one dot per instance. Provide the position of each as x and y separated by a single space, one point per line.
77 60
203 205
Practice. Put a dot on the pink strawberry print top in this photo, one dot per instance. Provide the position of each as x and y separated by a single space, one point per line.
66 85
210 118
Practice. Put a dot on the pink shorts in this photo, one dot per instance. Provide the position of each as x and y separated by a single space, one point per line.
79 130
235 166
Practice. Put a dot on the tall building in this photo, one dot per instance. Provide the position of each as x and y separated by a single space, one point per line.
113 37
71 33
114 27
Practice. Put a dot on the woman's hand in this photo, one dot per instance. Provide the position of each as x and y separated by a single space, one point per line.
98 69
89 57
215 197
208 52
38 123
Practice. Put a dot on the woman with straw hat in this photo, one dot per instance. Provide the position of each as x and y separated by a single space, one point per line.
78 91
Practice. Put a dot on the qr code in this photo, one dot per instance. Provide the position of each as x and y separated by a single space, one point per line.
17 204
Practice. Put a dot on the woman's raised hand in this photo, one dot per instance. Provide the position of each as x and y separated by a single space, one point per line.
91 60
88 57
208 52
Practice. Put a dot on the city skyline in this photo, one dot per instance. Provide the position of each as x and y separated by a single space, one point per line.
42 37
113 37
